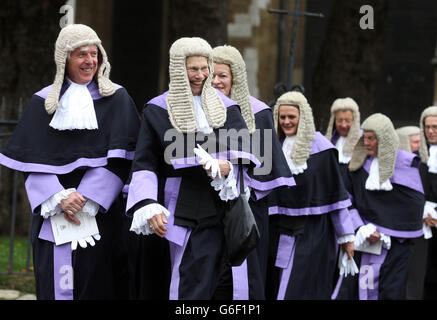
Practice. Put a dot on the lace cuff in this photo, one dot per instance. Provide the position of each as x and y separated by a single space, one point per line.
346 238
52 206
91 207
226 186
140 223
386 241
362 234
297 169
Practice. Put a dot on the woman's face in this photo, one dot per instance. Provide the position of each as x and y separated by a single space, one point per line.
222 78
289 119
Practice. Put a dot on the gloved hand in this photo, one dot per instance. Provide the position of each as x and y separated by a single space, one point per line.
208 162
83 242
362 234
346 266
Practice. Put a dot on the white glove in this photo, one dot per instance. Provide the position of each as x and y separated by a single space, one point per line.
83 242
208 161
346 265
428 209
386 241
362 234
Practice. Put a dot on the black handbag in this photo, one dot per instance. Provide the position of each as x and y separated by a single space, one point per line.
240 229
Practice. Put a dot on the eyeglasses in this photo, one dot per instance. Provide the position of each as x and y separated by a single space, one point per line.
347 121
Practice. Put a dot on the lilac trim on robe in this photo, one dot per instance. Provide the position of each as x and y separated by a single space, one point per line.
240 282
356 218
40 187
397 233
320 143
370 291
258 195
160 101
337 287
92 88
257 105
144 185
176 254
67 168
228 102
342 222
224 155
284 260
120 153
101 186
272 184
175 234
403 171
62 264
310 210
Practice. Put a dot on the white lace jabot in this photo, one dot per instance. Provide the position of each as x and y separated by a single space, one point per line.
432 160
372 182
76 109
340 145
202 121
287 146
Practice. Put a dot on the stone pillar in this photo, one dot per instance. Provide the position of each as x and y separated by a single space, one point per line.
98 15
254 32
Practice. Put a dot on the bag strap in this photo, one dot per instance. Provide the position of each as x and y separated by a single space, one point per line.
240 169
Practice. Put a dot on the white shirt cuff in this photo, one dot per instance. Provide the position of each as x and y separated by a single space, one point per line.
346 238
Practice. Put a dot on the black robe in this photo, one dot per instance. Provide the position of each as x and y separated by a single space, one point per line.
97 164
165 170
396 213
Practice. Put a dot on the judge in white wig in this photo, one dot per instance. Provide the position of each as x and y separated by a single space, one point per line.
309 220
344 127
428 155
388 199
182 196
75 142
409 140
230 77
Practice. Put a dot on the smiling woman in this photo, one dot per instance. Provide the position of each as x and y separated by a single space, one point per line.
289 119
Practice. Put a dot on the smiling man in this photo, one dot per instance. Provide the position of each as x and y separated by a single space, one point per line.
182 201
74 143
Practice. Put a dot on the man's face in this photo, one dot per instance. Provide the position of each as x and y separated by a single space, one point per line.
371 143
82 64
289 119
431 129
415 142
222 79
197 72
343 122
